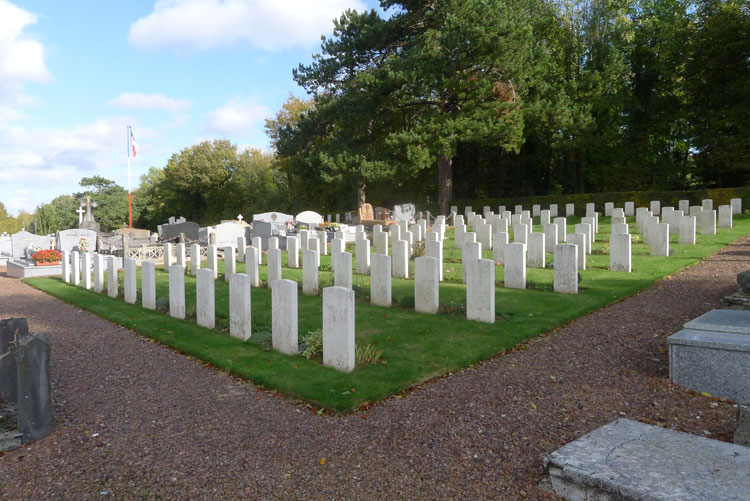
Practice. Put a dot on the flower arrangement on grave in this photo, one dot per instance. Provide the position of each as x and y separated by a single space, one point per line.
290 224
303 227
334 226
46 256
83 245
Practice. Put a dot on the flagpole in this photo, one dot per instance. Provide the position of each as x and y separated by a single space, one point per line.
130 196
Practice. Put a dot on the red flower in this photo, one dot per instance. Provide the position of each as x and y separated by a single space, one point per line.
46 256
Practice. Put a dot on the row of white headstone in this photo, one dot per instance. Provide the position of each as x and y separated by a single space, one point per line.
338 302
629 208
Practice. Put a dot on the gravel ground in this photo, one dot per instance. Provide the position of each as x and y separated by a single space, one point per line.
134 419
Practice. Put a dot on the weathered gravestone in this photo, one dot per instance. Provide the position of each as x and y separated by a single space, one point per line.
70 240
24 382
404 212
169 232
309 218
23 239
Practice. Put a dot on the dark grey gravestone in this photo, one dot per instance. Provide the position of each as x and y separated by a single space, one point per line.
172 231
744 280
34 402
11 330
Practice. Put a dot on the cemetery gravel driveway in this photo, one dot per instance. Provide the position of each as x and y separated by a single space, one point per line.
135 420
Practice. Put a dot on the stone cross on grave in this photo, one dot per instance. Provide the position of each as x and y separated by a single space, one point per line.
239 217
80 212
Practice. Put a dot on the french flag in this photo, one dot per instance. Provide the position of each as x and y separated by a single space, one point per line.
133 147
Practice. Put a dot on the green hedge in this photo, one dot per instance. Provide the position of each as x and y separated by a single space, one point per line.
720 196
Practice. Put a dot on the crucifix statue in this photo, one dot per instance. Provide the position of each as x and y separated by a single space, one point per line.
239 217
80 212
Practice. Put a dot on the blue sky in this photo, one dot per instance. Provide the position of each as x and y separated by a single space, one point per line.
74 74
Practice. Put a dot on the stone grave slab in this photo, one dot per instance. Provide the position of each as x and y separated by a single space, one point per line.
714 362
722 321
630 460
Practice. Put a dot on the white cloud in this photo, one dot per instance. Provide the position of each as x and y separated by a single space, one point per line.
38 164
132 100
21 57
266 24
238 118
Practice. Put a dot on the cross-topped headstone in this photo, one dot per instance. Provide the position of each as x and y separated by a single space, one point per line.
80 212
239 217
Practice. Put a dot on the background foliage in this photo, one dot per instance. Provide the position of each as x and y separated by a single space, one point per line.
469 100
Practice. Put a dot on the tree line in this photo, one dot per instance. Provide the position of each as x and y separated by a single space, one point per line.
448 99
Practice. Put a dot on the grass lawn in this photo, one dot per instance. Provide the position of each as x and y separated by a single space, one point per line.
414 346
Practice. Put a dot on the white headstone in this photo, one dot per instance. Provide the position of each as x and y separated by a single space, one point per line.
498 251
550 237
292 249
687 230
620 256
400 261
195 259
251 265
284 317
608 206
655 207
581 241
98 272
553 210
515 266
562 229
434 248
205 299
338 329
342 271
75 267
381 243
629 209
736 204
86 270
309 272
363 256
241 244
230 264
65 263
725 216
707 204
660 240
470 252
212 260
537 251
566 269
112 286
240 311
177 292
707 222
426 285
131 288
380 280
520 233
148 285
570 210
180 255
168 255
480 290
258 244
274 266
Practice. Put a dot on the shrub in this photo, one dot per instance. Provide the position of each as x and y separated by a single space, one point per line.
314 344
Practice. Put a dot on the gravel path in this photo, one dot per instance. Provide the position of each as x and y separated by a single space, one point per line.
134 419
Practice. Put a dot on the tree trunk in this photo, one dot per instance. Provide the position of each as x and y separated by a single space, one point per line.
445 183
361 194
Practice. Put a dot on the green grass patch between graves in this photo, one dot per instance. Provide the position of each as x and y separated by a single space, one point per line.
415 347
